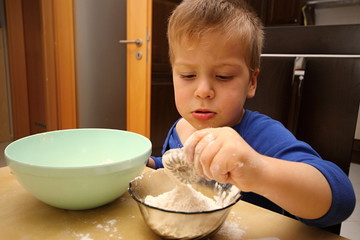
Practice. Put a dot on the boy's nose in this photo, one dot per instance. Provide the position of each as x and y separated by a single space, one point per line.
204 89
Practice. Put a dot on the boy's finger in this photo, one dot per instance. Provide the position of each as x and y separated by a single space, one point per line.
208 154
190 145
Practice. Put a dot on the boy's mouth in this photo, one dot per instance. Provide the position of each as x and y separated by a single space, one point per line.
203 114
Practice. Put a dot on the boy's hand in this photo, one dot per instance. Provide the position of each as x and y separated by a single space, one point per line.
222 154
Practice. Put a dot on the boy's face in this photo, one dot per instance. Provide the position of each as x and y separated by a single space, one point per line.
212 81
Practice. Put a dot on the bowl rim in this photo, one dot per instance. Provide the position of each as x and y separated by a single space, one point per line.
9 158
182 212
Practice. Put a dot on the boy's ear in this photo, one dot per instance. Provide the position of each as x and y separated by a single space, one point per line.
253 83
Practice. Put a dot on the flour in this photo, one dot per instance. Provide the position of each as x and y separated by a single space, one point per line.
83 236
182 198
196 210
109 227
231 231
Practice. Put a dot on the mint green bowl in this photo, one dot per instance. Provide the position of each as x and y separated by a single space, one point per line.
78 168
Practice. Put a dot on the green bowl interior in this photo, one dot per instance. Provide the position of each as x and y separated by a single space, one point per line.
79 148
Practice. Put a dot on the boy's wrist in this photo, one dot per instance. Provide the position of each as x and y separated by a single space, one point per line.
150 163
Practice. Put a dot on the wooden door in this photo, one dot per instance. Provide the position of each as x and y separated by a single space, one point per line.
17 68
5 134
41 65
139 25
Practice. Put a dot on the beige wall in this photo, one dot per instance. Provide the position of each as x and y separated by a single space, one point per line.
100 63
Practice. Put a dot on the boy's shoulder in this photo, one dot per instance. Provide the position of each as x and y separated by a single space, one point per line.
253 118
255 123
265 134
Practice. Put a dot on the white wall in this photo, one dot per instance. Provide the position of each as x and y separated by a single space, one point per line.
100 63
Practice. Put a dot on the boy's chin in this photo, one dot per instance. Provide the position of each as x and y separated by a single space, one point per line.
198 125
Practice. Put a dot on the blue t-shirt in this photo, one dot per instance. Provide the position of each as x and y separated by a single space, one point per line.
269 137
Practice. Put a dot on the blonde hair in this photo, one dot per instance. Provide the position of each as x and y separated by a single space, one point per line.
231 18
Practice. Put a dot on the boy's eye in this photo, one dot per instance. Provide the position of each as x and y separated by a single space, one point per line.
221 77
189 76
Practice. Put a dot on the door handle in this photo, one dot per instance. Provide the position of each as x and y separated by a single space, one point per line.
138 42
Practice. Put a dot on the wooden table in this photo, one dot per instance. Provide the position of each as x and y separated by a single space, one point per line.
24 217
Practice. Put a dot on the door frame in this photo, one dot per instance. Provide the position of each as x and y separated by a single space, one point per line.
138 102
58 48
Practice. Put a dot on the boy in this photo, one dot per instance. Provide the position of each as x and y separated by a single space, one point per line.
215 48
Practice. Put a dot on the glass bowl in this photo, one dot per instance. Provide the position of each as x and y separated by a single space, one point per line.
171 224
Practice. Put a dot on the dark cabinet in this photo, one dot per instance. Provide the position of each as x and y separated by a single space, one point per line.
278 12
284 12
322 109
329 102
273 94
163 110
329 107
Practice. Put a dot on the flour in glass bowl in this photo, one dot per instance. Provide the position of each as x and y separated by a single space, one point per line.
182 198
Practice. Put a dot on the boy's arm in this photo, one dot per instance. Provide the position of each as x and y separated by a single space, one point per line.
221 154
155 162
299 188
150 163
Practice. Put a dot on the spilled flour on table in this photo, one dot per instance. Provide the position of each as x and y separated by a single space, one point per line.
83 236
231 231
108 226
